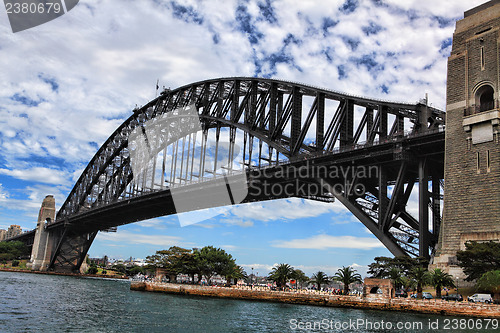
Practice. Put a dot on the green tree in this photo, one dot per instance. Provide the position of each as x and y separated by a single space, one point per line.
396 277
92 269
301 277
420 276
213 261
408 283
134 270
233 273
479 258
439 279
347 275
281 274
490 282
168 260
320 278
382 266
189 264
13 250
121 268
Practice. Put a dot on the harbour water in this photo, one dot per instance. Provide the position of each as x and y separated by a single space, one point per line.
47 303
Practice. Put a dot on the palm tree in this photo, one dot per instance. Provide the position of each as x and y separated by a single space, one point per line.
421 277
439 279
301 277
408 283
396 277
234 272
320 278
347 275
281 274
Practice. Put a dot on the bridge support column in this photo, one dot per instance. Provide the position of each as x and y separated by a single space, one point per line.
471 208
42 245
423 209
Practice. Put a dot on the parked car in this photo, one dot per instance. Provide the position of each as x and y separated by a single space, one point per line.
401 293
483 298
453 297
425 295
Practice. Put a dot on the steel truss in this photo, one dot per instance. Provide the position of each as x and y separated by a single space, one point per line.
259 123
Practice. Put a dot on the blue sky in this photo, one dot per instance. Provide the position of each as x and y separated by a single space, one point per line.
67 84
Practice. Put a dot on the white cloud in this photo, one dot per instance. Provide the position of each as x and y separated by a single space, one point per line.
3 193
125 237
38 175
32 203
322 242
330 270
238 222
285 209
157 223
229 247
337 220
263 269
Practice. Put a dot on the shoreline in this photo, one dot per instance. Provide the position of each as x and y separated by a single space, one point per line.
439 307
4 269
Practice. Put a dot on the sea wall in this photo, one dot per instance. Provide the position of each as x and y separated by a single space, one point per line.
13 270
324 299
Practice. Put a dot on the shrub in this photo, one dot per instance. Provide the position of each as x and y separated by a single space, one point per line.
92 270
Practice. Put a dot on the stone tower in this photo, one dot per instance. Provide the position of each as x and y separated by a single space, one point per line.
472 157
40 254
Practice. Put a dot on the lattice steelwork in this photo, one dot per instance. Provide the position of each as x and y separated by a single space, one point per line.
248 124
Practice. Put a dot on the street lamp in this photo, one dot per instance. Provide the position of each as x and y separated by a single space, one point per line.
457 286
251 279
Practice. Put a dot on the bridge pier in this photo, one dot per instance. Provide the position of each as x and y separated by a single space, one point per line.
472 141
42 245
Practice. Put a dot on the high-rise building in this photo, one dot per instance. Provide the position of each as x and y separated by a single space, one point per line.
13 231
3 233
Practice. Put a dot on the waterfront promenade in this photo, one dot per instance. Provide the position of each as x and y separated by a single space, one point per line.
309 297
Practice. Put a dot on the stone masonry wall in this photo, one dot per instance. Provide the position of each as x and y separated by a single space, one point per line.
323 299
472 194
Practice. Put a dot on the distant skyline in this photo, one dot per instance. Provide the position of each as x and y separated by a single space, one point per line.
68 84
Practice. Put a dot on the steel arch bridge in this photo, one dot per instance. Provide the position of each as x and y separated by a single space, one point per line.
233 138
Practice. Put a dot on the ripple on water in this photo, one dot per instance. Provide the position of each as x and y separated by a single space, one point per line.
45 303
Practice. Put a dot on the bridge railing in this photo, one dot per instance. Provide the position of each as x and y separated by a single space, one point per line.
338 150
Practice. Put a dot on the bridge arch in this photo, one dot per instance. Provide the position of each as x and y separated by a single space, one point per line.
273 124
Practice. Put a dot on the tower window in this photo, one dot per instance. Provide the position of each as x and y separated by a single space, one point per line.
478 163
483 63
485 98
488 161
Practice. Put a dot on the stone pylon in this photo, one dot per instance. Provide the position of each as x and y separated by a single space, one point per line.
42 247
472 158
